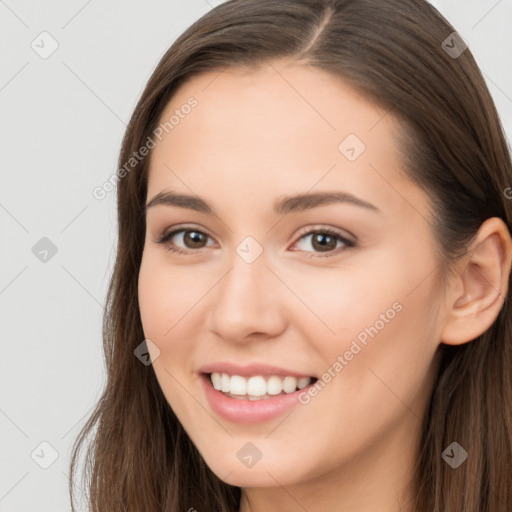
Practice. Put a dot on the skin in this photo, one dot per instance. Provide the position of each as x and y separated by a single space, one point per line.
255 136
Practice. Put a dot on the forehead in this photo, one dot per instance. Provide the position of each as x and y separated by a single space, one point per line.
277 127
271 103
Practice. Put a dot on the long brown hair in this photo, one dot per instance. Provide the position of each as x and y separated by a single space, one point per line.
453 145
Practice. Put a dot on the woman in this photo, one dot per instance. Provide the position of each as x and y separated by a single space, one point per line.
314 254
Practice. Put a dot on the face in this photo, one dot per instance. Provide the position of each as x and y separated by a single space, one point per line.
329 296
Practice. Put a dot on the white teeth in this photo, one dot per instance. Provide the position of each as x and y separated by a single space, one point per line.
257 387
238 385
274 385
225 382
289 384
216 381
303 382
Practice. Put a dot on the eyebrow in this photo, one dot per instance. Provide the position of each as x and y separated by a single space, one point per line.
282 206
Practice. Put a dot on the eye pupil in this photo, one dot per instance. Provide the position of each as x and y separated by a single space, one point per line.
321 241
194 237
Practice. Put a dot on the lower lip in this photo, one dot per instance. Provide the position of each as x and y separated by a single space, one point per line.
249 411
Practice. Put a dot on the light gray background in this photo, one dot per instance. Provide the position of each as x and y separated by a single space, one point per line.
62 121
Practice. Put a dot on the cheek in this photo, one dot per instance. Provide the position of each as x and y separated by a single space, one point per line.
163 302
380 328
337 305
377 368
173 302
380 369
167 295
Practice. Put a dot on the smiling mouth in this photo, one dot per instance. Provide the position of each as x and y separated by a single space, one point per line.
257 387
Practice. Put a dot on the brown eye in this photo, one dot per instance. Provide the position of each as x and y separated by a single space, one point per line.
184 240
194 239
324 241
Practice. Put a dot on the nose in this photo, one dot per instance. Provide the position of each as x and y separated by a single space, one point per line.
247 303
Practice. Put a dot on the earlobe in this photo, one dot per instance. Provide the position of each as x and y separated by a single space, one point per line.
478 292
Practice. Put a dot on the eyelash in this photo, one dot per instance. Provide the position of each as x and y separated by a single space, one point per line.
349 244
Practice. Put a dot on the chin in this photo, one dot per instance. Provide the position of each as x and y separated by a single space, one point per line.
263 473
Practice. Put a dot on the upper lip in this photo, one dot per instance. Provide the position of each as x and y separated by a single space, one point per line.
249 370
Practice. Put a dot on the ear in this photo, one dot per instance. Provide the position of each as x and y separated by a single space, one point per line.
477 294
